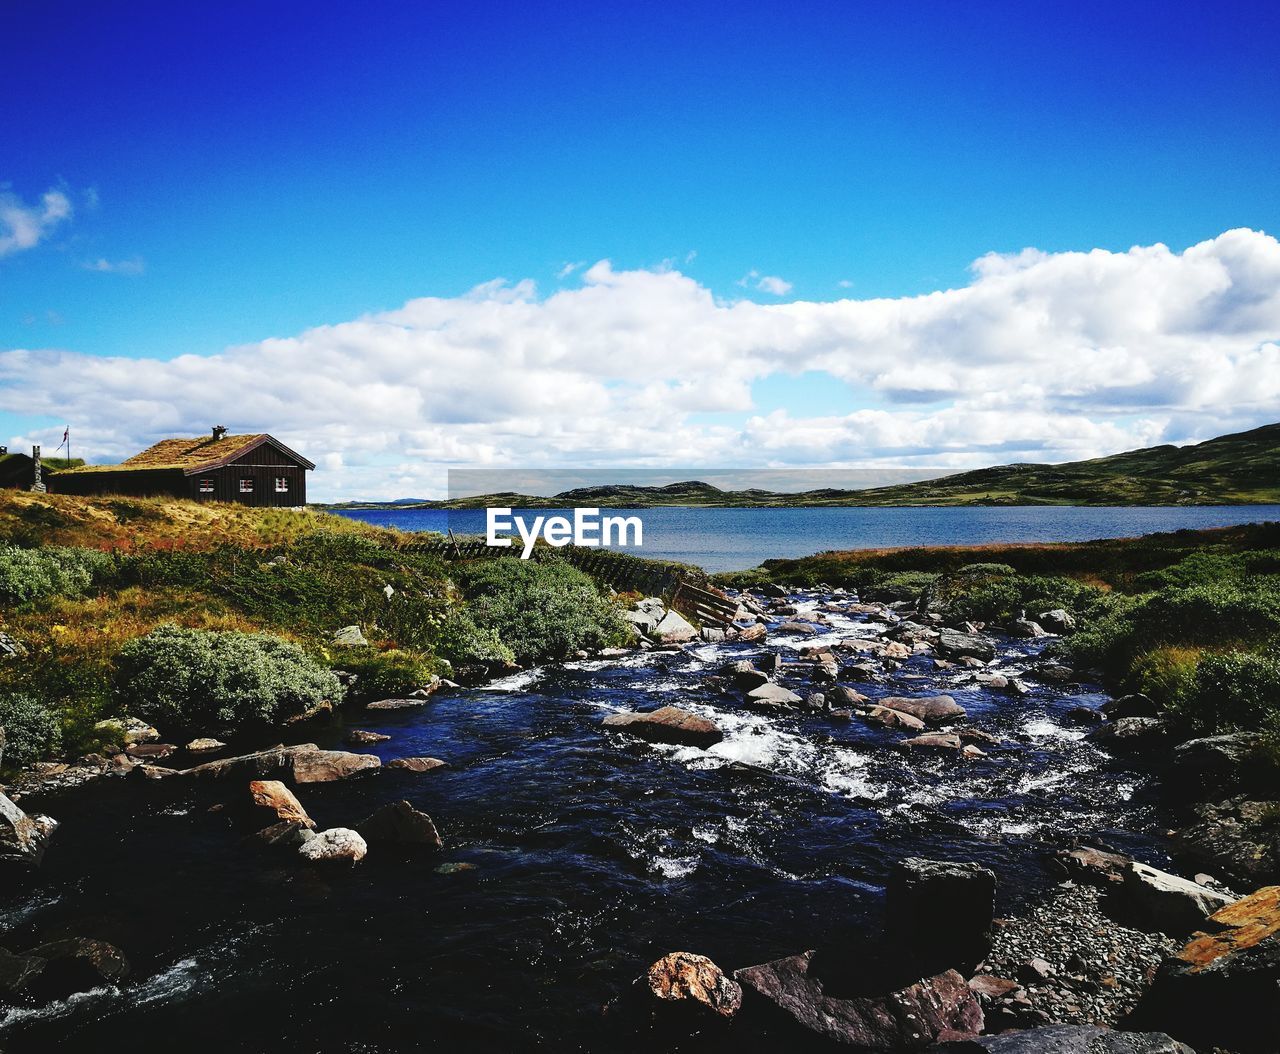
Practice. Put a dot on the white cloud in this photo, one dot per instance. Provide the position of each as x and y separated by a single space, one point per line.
24 226
132 266
766 283
1040 357
566 269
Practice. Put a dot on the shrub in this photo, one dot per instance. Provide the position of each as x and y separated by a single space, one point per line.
380 674
203 679
543 609
31 574
31 731
1233 691
463 643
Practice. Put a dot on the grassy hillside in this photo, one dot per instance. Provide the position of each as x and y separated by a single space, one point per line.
1235 469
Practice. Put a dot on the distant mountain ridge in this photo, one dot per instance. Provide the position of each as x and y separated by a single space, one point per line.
1238 469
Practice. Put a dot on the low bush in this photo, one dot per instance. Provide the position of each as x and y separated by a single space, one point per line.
31 730
544 609
207 680
380 674
460 641
32 574
1233 691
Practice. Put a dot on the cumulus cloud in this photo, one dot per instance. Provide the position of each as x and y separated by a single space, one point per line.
766 283
132 266
1039 357
24 226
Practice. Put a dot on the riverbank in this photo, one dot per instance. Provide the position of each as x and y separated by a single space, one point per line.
576 832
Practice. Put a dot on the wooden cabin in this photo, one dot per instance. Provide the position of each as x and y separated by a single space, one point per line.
249 469
16 470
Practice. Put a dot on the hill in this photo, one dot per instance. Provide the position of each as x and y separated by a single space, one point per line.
1239 469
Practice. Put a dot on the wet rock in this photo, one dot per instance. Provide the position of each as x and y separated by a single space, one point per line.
1098 867
150 751
770 590
953 644
1024 627
349 637
1132 735
842 696
338 845
126 730
1065 1039
933 709
940 913
752 634
682 992
17 971
75 964
1220 989
797 629
285 835
1052 673
669 724
400 822
358 737
774 694
272 802
1154 899
411 703
417 764
204 745
327 766
934 741
1217 766
1238 837
711 634
271 763
744 675
1084 715
815 701
910 1017
883 715
1135 705
23 838
1059 620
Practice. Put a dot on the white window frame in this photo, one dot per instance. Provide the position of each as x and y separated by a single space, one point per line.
282 484
205 486
246 484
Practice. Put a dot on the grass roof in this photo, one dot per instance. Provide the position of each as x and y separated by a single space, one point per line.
180 453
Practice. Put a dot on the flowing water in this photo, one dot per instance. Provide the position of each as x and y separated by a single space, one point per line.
573 859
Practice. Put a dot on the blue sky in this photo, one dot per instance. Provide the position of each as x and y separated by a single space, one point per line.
237 172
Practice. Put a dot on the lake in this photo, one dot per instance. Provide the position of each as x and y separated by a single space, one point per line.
736 539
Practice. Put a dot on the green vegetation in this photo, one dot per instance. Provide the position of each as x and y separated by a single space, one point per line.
194 679
31 730
208 617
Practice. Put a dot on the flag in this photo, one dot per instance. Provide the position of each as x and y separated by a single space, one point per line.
66 437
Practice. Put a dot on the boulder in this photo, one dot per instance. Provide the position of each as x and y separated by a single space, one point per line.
349 637
17 971
1059 620
712 634
397 704
204 745
417 764
327 766
1219 991
23 838
668 724
752 634
796 629
284 835
908 1018
744 675
1135 705
1084 715
934 741
1025 627
1131 735
841 696
940 913
771 590
988 986
815 701
1217 766
883 715
400 822
682 992
126 730
774 694
674 628
338 845
954 645
932 709
1156 900
358 737
273 803
1097 867
1065 1039
1238 837
74 964
1053 673
150 751
271 763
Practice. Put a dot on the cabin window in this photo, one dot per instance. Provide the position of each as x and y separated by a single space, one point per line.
206 486
246 486
282 484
